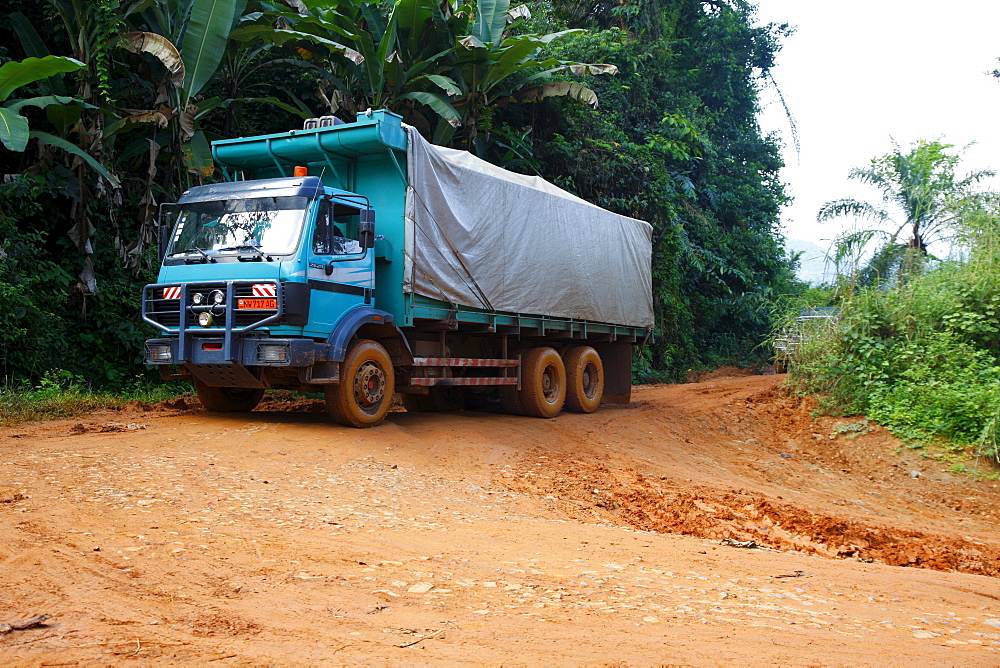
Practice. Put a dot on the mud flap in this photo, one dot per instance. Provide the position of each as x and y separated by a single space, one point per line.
617 360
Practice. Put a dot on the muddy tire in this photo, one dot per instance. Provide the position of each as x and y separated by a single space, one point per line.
364 393
543 383
584 379
227 399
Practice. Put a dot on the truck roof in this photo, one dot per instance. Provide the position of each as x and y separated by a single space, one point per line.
301 186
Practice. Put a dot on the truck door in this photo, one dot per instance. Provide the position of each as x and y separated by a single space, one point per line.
340 273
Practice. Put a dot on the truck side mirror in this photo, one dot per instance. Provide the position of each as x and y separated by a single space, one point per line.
366 229
164 228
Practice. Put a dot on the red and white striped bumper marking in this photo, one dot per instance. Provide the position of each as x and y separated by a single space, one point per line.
265 290
172 293
464 361
446 382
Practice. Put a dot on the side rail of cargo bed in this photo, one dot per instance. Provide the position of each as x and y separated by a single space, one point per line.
432 315
506 372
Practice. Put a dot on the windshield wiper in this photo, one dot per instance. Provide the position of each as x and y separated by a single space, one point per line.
194 249
255 249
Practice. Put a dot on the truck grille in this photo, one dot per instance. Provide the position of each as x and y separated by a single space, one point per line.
260 299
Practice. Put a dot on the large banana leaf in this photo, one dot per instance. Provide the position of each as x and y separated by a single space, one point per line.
491 19
32 42
35 46
41 102
16 74
70 147
412 17
205 41
13 130
280 36
62 111
439 103
557 89
198 155
446 84
213 103
160 48
376 22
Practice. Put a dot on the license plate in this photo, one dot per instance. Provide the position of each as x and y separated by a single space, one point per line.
269 303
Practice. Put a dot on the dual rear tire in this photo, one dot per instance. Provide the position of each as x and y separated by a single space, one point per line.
584 379
550 382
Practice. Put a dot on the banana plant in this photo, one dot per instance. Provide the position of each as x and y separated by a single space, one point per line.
494 70
14 129
442 65
191 40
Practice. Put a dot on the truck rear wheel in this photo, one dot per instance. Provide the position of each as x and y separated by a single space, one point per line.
227 399
364 393
543 383
584 379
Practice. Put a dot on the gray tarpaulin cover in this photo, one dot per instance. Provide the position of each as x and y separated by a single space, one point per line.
478 235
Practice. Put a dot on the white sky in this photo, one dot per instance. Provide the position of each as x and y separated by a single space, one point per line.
857 73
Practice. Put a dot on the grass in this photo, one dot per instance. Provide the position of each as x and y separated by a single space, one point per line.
60 394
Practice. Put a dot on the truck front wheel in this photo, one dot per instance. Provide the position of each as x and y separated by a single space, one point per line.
543 383
584 379
364 393
227 399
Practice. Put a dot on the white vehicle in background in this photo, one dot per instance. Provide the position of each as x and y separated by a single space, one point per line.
810 322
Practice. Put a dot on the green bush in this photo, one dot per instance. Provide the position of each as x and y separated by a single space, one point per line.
920 356
46 321
946 388
60 393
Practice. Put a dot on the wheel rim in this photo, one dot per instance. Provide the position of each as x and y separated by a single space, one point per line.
589 380
369 384
550 384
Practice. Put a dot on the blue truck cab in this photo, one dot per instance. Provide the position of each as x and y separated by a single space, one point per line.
291 274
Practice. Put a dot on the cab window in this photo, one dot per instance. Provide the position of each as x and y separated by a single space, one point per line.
336 229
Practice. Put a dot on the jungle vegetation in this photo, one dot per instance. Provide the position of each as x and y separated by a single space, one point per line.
645 107
916 346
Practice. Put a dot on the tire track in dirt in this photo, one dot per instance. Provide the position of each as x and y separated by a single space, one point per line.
753 429
629 499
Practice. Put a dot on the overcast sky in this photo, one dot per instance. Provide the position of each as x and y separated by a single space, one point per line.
857 74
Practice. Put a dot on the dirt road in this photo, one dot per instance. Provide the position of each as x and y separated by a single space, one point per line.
168 535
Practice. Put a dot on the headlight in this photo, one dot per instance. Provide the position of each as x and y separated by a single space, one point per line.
197 298
205 319
271 352
158 352
218 297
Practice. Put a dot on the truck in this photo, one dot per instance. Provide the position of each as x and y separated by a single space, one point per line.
357 260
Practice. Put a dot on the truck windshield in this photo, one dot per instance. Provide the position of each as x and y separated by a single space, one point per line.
265 225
